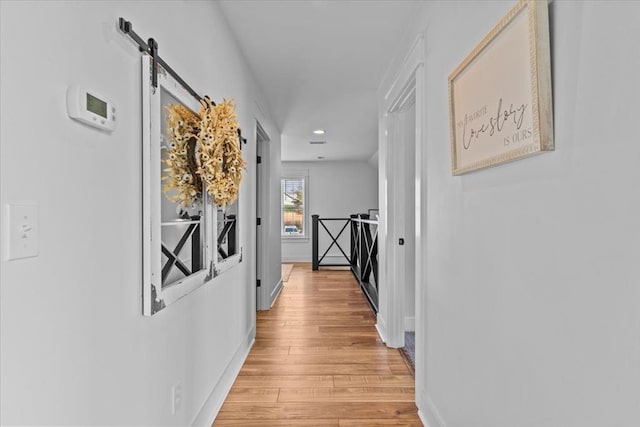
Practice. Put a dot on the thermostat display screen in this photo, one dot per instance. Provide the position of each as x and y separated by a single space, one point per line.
96 105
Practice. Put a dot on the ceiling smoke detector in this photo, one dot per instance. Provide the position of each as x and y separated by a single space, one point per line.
317 142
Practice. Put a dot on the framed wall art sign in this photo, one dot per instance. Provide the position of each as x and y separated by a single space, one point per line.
500 98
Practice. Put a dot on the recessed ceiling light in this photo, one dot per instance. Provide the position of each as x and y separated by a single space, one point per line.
319 132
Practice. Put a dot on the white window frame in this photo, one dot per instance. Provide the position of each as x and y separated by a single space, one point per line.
303 175
155 297
222 265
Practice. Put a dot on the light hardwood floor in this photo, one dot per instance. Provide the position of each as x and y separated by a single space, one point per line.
318 361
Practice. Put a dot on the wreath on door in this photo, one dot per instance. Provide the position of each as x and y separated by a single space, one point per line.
219 158
204 151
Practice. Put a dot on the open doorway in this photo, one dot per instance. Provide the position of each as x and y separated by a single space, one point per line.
401 215
405 216
403 198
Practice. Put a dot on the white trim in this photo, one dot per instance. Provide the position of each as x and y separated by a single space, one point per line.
293 173
431 417
276 292
423 419
408 81
409 64
428 421
263 211
381 327
228 263
304 176
207 414
295 239
421 246
409 324
335 257
146 189
295 258
410 77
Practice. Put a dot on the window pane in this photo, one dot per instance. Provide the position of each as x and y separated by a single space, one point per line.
293 214
227 231
182 225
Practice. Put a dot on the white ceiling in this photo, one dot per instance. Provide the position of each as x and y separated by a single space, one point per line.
319 64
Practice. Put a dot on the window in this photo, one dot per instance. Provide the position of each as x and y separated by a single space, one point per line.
294 199
227 231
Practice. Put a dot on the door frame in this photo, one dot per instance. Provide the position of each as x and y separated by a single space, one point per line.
263 299
409 80
398 137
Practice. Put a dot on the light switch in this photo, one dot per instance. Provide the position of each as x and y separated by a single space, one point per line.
21 230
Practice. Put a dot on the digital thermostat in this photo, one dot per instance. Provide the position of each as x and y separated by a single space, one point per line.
91 108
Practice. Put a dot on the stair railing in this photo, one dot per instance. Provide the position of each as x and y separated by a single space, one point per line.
363 250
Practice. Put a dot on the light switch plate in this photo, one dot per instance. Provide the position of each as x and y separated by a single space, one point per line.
21 230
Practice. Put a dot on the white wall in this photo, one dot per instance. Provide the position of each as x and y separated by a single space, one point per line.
336 189
75 348
531 312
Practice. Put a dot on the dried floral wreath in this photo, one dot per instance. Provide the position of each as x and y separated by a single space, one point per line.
181 173
219 158
204 148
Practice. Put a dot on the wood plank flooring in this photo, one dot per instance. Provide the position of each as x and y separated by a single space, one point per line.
318 361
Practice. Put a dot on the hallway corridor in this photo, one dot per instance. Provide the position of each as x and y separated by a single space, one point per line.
318 361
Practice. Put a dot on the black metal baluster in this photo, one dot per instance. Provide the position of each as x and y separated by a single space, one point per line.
364 249
354 242
314 242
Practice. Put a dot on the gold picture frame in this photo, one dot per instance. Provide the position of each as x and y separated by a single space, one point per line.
500 97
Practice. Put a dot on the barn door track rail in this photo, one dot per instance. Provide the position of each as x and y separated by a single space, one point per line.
150 47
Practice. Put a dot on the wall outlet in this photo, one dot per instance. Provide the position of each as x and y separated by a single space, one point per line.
176 398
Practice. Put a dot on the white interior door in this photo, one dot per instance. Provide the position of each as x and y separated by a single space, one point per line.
403 108
401 218
407 123
401 198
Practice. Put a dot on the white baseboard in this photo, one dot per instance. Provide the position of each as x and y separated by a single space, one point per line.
335 256
303 258
423 419
276 292
328 259
409 324
381 327
216 398
431 416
